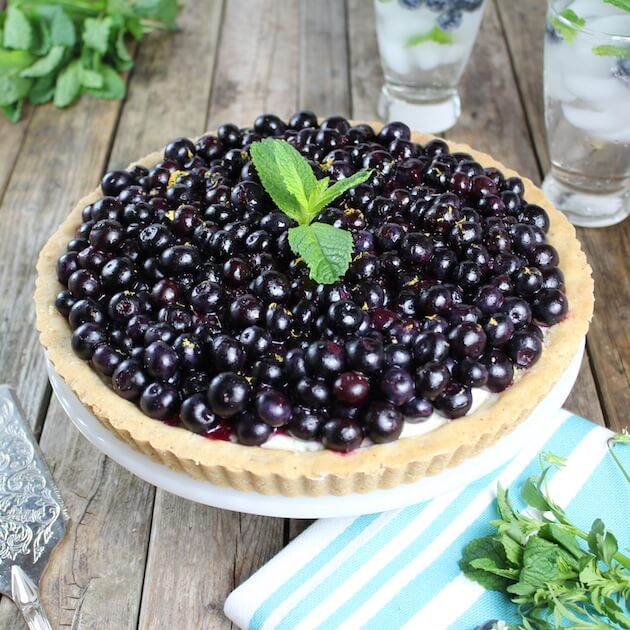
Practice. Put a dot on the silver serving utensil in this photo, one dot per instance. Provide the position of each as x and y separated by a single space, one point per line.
33 516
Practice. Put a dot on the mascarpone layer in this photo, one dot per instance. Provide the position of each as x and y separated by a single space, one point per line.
482 398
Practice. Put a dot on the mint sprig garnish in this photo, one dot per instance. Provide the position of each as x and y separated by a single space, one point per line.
567 24
290 182
624 5
436 34
558 574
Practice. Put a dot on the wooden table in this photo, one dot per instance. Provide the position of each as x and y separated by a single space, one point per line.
137 556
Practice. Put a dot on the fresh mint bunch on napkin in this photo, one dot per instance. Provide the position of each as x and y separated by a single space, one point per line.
539 559
293 187
56 50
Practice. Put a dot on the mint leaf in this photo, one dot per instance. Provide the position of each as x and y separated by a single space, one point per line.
489 549
567 24
326 249
42 90
96 33
62 31
624 5
532 495
113 87
295 171
12 89
12 61
13 111
327 196
91 78
41 34
124 60
436 34
68 86
264 156
18 32
612 51
163 10
45 65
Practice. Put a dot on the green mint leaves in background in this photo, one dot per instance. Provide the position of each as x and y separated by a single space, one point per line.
290 182
436 34
557 574
57 50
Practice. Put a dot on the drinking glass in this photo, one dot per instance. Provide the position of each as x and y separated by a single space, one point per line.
424 47
587 110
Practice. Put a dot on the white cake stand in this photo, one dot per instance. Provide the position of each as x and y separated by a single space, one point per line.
312 507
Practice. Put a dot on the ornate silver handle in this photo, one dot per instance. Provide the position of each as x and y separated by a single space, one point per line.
25 594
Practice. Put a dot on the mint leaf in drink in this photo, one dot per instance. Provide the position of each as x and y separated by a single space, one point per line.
18 32
327 250
567 24
436 34
612 51
624 5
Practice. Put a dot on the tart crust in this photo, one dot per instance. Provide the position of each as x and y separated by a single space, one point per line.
324 472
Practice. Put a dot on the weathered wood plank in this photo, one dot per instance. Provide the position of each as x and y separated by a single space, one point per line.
256 71
607 249
492 118
215 550
11 138
171 84
257 65
324 72
366 76
61 158
94 579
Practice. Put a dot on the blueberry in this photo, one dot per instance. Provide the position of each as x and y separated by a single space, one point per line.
341 435
450 20
273 407
160 401
228 394
383 423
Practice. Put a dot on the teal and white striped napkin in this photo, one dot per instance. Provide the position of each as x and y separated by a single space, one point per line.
399 569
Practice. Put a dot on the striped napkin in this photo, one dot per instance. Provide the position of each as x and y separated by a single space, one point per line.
399 569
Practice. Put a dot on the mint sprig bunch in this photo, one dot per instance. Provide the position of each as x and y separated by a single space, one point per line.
290 182
538 560
56 50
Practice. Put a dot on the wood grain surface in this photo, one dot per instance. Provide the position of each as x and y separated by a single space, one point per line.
136 557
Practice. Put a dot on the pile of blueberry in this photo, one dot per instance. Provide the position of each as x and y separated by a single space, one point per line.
183 293
451 12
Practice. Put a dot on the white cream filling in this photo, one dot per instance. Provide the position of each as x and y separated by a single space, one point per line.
283 442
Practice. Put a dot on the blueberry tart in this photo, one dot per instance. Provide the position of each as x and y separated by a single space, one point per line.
310 306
